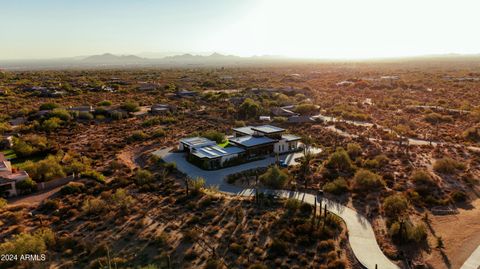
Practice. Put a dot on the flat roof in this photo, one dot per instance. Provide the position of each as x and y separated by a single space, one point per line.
290 137
197 141
212 152
268 129
251 141
245 130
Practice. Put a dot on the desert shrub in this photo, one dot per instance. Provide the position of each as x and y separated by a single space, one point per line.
292 205
279 247
280 119
459 196
306 109
338 186
336 264
49 205
130 106
249 109
117 115
93 174
85 115
274 177
213 264
137 136
105 103
46 169
151 122
4 127
434 118
30 145
448 166
48 106
338 163
62 114
215 136
196 185
408 232
94 206
26 186
354 150
143 177
51 124
240 123
376 162
72 187
365 180
122 199
3 202
158 133
168 120
395 206
257 266
26 243
421 177
76 167
170 167
306 209
472 134
326 245
235 248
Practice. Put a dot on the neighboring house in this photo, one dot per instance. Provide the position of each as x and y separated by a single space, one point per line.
47 92
9 176
88 109
264 118
264 140
17 121
282 112
300 119
247 144
161 109
345 83
146 86
186 93
35 89
237 100
42 113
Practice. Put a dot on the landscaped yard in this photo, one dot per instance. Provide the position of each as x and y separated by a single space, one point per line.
9 154
20 162
224 143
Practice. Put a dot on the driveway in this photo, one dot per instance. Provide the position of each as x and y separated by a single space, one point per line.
473 262
361 236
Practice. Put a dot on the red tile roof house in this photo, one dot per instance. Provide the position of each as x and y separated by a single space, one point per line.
9 176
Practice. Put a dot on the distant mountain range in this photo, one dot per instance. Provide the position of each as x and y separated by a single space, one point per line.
107 60
110 58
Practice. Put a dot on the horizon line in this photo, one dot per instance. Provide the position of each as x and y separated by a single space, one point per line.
285 57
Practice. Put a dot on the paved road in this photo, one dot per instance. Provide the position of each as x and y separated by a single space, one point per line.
361 235
473 262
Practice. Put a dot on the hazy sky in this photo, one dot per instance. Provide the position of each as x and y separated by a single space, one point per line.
296 28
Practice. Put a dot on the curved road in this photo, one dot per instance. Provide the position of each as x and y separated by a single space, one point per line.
361 236
473 262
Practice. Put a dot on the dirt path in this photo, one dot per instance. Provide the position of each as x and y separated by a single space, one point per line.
34 199
460 236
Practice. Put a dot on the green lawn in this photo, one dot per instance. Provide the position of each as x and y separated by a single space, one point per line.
224 144
9 154
20 162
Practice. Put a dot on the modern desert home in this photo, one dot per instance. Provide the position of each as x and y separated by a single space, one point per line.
247 144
